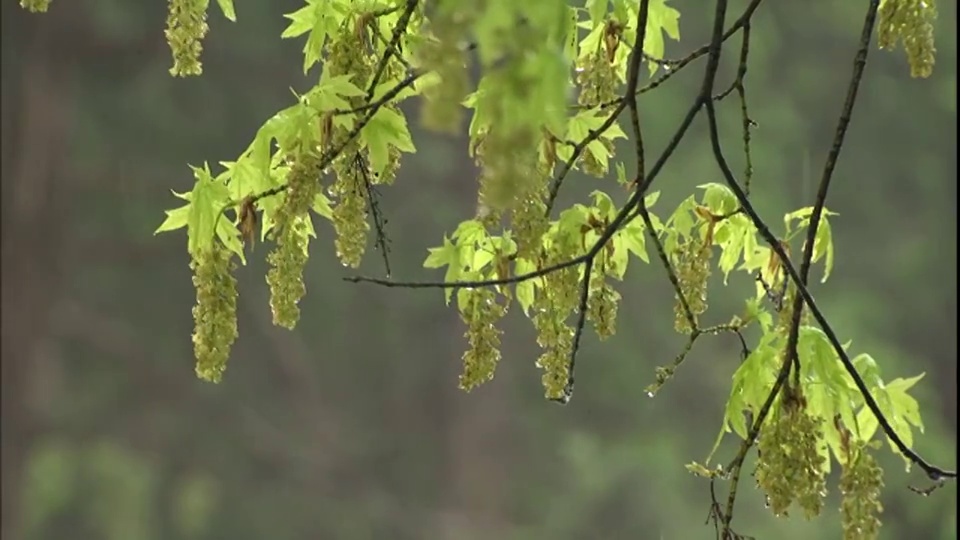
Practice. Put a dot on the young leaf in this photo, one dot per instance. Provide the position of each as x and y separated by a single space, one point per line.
330 93
387 128
226 6
176 219
319 20
597 10
207 201
245 178
661 19
718 198
525 290
229 235
823 247
321 205
446 255
634 239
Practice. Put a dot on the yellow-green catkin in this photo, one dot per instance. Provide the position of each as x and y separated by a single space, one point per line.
860 484
790 467
692 265
557 300
480 311
186 27
910 22
285 276
602 305
215 314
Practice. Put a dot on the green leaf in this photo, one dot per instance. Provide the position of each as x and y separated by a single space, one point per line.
387 128
208 199
734 231
572 220
446 255
547 102
604 204
681 221
319 20
525 290
330 93
471 231
650 200
229 235
579 128
634 238
301 20
226 6
620 259
482 257
592 41
867 423
292 127
621 174
321 205
718 198
246 178
902 385
661 19
442 256
597 10
904 405
868 370
819 360
268 207
802 216
176 218
823 247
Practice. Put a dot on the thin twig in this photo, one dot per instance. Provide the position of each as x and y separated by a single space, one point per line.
578 331
746 121
398 30
381 241
671 273
393 50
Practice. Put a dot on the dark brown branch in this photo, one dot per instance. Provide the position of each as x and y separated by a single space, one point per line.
381 241
472 284
665 260
578 330
398 31
746 121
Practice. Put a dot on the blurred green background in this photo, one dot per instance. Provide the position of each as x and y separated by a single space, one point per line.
352 427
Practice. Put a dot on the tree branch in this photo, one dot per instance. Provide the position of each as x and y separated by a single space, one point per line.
800 278
398 31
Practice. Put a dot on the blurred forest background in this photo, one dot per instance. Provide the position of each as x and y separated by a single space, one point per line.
352 426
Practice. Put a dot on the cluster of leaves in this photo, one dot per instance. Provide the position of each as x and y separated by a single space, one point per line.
523 131
548 102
